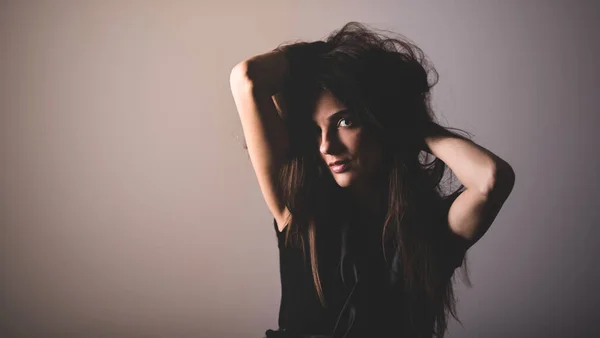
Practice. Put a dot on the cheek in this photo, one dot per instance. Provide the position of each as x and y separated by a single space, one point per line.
371 153
363 147
356 141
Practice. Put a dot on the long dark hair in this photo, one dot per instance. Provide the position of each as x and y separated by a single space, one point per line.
387 82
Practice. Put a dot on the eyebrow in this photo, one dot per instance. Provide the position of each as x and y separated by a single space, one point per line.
343 111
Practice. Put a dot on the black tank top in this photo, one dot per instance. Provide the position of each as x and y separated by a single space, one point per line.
359 287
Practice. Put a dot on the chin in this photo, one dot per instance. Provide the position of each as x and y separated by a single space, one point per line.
344 180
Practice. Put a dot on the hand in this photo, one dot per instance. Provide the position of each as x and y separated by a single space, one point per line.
303 55
268 71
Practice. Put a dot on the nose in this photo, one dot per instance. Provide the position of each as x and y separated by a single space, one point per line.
329 143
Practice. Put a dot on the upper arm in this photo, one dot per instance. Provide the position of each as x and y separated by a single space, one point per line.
266 139
473 212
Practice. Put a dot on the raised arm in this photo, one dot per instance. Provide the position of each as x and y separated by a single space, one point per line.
256 84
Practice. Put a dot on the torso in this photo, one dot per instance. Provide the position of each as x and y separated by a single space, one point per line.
371 299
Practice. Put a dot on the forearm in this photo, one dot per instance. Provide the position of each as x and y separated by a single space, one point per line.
266 74
266 71
475 166
271 72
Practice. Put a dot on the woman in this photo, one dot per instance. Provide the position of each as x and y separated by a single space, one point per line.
368 242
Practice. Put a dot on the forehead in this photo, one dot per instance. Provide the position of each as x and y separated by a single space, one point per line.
326 105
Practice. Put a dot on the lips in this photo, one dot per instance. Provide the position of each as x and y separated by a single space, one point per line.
331 164
340 166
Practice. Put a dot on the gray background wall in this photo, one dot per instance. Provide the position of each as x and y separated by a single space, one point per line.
130 209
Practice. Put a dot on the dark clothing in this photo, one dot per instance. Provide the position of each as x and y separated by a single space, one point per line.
360 289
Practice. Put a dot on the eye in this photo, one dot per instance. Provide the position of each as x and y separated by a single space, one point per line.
347 120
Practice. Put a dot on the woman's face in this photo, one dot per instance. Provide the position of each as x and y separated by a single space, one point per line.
342 138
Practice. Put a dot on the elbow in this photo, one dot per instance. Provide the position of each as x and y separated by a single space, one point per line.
502 179
238 77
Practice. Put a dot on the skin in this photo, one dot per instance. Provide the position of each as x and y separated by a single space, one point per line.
340 136
489 179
